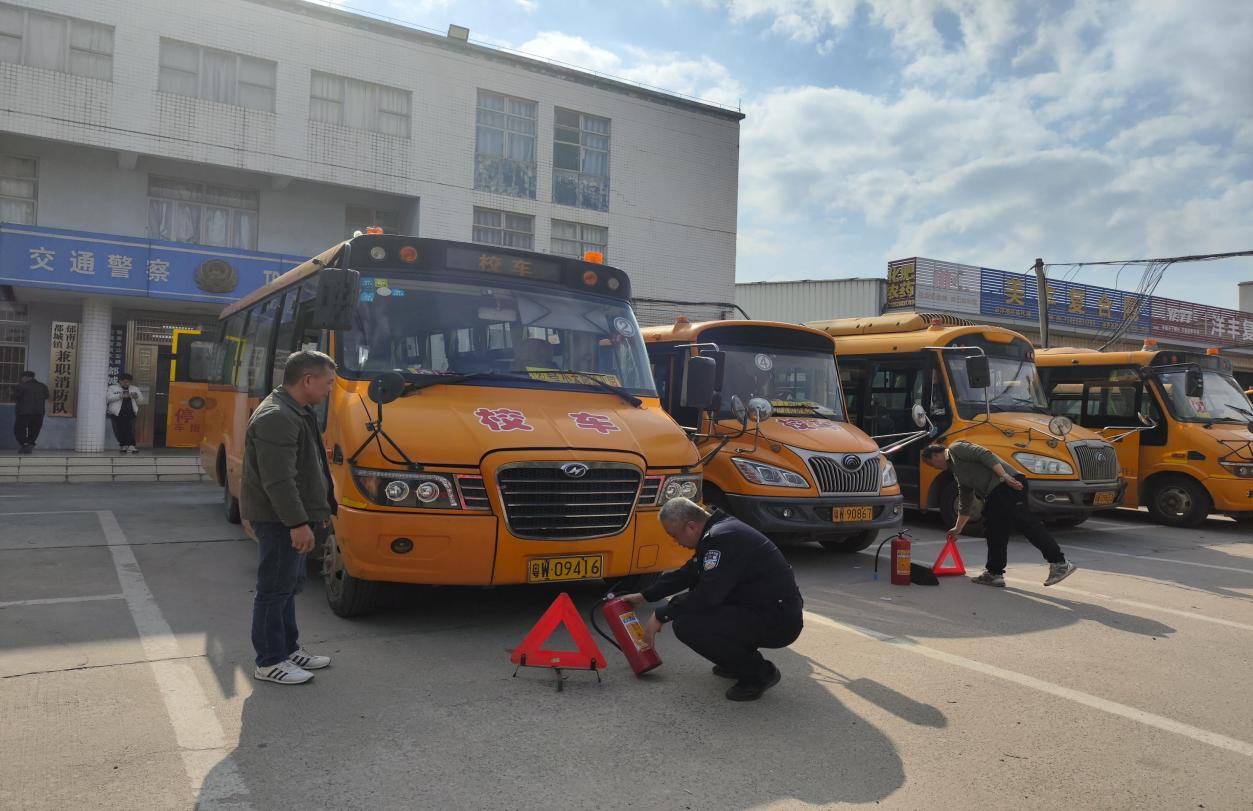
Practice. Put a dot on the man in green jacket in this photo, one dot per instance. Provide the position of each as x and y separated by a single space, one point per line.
285 495
981 473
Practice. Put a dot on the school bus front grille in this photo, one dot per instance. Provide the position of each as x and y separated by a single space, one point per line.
1098 461
838 475
544 501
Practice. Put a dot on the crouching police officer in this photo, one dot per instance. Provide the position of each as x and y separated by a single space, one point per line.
741 596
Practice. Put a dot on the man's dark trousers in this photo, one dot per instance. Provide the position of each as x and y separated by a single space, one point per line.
26 428
1006 510
280 577
730 635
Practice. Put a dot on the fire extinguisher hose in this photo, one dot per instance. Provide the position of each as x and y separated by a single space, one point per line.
595 610
878 550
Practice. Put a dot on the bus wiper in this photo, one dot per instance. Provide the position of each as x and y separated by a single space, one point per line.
1240 410
1035 407
626 396
453 379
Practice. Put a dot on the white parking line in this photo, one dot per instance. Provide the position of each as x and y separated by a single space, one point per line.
1159 560
196 727
1095 702
1132 603
56 600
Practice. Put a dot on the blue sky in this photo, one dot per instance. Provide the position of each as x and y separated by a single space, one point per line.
988 132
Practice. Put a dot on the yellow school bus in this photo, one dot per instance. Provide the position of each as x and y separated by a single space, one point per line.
1191 454
978 383
494 420
779 452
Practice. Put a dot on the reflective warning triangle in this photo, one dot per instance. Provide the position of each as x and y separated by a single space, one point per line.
561 612
950 560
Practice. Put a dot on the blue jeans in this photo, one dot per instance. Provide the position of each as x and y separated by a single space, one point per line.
280 577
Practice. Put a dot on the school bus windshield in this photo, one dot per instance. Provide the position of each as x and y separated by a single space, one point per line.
1221 401
1015 386
792 380
425 327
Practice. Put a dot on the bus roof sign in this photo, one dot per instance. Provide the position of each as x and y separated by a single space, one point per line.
480 261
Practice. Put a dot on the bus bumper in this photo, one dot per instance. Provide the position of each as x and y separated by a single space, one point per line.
1230 494
814 516
1072 497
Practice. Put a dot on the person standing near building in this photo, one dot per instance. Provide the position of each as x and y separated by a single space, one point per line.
979 472
285 496
124 399
29 397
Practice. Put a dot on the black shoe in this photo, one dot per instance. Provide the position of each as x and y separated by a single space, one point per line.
27 449
722 673
751 691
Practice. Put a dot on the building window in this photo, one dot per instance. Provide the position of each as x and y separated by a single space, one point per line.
53 42
213 75
493 227
13 335
580 160
187 211
575 239
18 189
504 151
360 105
359 218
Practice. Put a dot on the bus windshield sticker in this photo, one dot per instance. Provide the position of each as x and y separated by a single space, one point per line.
555 376
624 326
599 423
503 419
808 425
764 362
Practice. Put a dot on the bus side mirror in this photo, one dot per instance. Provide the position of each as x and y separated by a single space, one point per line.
386 387
720 358
978 375
920 415
336 299
698 383
1194 385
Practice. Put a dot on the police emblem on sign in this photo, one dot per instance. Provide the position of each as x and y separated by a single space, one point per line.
711 559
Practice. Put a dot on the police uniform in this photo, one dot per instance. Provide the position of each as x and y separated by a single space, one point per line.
741 596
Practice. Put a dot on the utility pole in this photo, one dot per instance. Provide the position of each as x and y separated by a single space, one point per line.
1042 299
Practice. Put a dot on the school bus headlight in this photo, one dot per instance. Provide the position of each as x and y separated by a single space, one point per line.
888 477
681 487
1242 469
1043 465
398 488
769 475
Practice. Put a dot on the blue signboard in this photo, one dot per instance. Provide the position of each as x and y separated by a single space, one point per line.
1084 306
54 258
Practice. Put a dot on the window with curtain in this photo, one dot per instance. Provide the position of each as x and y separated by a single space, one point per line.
54 42
19 187
504 147
360 105
190 211
14 331
492 227
575 239
213 75
359 218
580 160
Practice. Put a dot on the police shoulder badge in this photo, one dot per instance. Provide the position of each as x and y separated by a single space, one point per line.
711 559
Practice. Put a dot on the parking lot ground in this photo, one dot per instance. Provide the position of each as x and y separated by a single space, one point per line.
125 662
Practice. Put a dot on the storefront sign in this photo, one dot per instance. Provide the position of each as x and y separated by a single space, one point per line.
117 352
63 380
34 256
927 285
901 285
1212 326
1082 306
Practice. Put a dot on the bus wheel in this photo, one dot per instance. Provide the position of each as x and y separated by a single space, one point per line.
230 505
348 596
948 511
1179 502
853 543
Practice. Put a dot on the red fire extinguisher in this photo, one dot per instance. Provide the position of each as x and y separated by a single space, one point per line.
628 633
900 559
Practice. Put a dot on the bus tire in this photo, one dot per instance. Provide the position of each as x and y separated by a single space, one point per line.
1178 501
948 510
230 504
851 544
347 596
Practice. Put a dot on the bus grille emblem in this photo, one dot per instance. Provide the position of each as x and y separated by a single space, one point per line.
575 470
851 462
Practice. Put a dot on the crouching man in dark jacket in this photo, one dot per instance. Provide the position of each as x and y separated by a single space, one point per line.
741 596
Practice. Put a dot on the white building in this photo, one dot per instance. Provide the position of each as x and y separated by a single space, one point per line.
811 299
278 127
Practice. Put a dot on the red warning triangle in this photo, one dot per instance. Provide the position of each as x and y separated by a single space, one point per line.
562 611
950 560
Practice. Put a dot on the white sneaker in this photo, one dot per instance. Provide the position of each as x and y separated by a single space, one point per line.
1059 572
285 672
309 661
